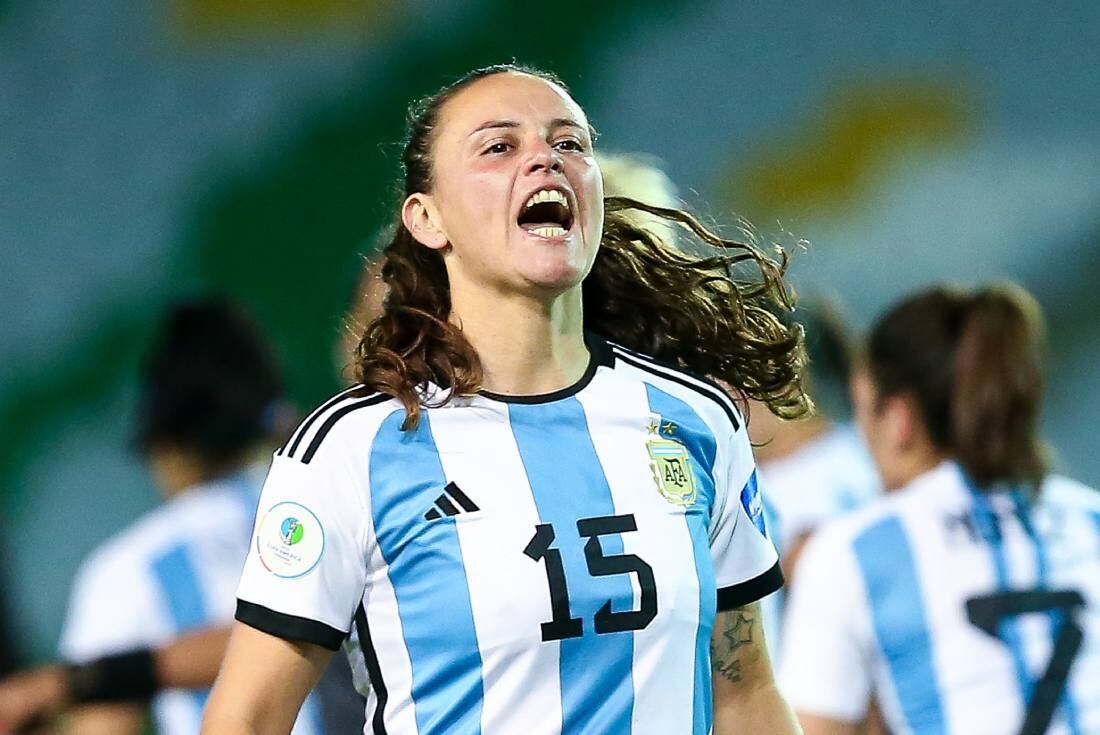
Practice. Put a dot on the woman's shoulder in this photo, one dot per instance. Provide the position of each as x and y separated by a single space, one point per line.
1066 492
700 392
351 415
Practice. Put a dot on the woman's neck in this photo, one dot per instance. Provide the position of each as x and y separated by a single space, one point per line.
910 466
527 346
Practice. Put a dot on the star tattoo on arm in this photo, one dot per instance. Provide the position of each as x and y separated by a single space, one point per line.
737 642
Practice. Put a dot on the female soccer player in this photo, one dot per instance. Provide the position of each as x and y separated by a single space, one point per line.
519 526
967 601
209 407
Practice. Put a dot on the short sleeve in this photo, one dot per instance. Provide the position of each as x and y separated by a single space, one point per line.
109 611
306 568
823 668
746 565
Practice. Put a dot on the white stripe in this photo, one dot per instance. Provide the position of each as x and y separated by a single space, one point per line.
970 666
520 672
664 651
388 636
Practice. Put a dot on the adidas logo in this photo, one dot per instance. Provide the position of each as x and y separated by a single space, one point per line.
445 503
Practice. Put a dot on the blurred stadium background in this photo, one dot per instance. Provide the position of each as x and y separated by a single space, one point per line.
170 147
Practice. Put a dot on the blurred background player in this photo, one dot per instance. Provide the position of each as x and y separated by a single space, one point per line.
816 468
208 412
967 600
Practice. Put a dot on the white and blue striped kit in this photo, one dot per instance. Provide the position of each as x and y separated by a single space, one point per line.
961 611
546 564
174 570
824 478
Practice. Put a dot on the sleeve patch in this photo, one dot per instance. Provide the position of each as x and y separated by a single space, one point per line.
290 540
754 504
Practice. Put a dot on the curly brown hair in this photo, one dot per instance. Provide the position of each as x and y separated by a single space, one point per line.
704 314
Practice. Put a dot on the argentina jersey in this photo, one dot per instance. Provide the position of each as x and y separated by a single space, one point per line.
827 476
174 570
960 612
538 564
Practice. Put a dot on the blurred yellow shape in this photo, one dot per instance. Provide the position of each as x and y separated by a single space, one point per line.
828 164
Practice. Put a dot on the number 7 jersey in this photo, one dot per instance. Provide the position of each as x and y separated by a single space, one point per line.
537 564
962 612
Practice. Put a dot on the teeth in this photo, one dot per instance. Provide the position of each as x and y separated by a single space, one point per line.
547 195
552 231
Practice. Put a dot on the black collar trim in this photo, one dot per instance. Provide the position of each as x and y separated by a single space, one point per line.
600 354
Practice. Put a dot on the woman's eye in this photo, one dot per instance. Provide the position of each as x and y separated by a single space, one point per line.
497 148
569 145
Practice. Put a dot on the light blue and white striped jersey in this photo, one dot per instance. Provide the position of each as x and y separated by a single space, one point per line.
536 565
828 476
961 612
175 569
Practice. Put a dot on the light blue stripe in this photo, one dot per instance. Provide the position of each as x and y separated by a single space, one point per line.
178 580
568 484
694 434
1007 629
1055 618
890 574
428 576
310 714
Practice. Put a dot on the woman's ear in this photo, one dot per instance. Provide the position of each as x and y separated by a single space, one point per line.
903 421
421 218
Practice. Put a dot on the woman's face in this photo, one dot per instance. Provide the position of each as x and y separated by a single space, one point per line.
516 202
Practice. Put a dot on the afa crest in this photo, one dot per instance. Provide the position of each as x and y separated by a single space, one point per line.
671 465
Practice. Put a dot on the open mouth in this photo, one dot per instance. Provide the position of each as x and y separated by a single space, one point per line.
547 214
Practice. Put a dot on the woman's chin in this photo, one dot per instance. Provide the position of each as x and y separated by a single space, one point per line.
553 277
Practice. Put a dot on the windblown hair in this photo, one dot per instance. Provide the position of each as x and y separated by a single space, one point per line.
702 314
972 363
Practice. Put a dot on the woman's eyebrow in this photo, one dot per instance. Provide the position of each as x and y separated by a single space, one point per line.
495 124
557 122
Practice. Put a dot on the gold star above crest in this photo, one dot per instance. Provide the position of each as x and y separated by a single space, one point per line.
668 427
653 427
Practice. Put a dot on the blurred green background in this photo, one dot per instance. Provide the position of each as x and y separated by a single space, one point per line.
152 150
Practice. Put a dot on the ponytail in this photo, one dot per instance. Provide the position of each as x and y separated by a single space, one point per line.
998 388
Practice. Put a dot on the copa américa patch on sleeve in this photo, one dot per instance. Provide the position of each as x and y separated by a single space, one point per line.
753 503
290 540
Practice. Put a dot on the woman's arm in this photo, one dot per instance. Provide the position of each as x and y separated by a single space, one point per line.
746 698
262 684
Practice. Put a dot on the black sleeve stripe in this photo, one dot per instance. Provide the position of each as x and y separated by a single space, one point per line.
304 427
333 418
702 387
751 590
374 671
289 627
